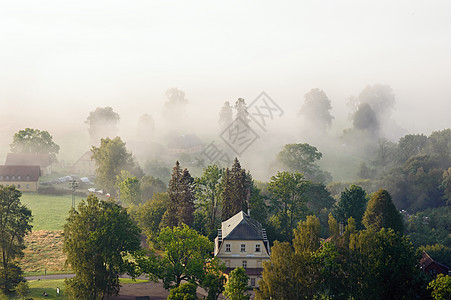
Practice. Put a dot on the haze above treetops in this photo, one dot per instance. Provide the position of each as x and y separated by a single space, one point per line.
63 60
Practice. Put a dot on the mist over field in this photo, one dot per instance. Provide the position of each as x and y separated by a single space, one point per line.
60 61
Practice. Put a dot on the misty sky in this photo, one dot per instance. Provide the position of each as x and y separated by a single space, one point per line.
69 57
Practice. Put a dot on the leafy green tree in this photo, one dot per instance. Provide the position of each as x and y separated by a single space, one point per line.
15 223
382 213
111 158
23 289
236 285
446 185
318 198
306 242
441 287
97 239
316 109
150 186
181 198
411 145
280 274
439 146
288 201
430 227
129 188
384 266
185 291
235 190
213 280
102 123
352 203
31 140
158 169
185 255
302 158
149 215
293 272
208 193
366 119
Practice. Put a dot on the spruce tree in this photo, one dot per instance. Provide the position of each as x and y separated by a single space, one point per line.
181 198
236 190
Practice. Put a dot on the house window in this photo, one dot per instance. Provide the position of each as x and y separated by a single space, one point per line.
244 263
18 186
227 248
227 263
257 248
28 186
243 247
252 281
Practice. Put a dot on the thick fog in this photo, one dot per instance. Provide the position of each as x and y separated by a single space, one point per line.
61 60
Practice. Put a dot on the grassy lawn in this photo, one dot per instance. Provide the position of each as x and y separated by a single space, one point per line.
43 250
49 212
38 287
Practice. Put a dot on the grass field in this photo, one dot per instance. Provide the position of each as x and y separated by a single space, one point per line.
43 250
44 253
49 212
38 287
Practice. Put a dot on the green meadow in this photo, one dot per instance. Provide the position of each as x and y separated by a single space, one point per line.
49 212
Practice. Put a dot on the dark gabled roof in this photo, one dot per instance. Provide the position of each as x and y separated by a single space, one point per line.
20 173
41 159
185 142
427 260
241 227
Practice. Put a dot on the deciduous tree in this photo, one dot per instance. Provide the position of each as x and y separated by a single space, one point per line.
441 287
382 213
15 223
316 109
236 286
97 239
112 157
129 188
288 201
352 203
102 123
302 158
31 140
185 255
208 193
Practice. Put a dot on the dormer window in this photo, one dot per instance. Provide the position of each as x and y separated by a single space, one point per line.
13 177
7 177
28 177
19 177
